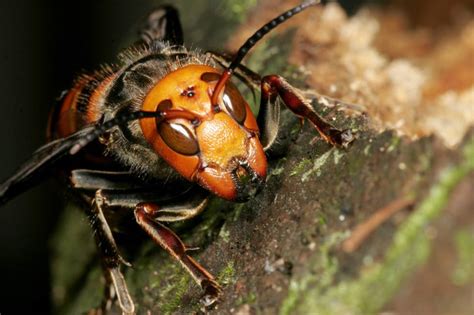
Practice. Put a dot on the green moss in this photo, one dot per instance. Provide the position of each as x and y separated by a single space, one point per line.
464 271
171 296
315 293
161 287
247 299
317 165
301 166
322 220
338 154
238 8
394 143
468 152
238 211
224 234
227 274
278 169
367 150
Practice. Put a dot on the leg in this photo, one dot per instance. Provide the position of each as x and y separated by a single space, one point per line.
93 180
273 86
116 286
169 211
121 189
111 259
147 215
163 24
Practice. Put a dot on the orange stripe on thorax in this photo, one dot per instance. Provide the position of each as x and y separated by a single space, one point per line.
69 120
66 122
94 107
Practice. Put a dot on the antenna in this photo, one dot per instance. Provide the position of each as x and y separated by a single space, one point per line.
252 40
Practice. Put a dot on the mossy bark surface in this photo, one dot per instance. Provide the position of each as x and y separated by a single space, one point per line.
281 251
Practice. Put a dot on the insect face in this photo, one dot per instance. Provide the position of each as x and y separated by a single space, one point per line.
215 145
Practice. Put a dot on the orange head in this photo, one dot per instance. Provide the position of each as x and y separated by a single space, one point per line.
215 146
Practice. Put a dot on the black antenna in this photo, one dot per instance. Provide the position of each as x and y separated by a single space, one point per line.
101 127
264 30
244 49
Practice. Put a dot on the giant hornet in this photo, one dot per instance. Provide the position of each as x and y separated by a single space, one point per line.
121 131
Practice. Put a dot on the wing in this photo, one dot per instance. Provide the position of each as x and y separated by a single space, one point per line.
163 24
40 164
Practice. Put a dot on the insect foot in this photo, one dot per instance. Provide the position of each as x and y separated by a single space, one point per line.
212 293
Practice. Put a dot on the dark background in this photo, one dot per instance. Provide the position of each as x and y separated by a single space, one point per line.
43 46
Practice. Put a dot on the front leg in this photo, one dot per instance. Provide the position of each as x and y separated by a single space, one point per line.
148 216
274 86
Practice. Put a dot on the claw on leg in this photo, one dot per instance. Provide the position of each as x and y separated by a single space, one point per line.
212 293
123 297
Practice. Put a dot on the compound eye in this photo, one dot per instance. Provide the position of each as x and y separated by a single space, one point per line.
178 137
233 100
234 103
210 76
164 105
